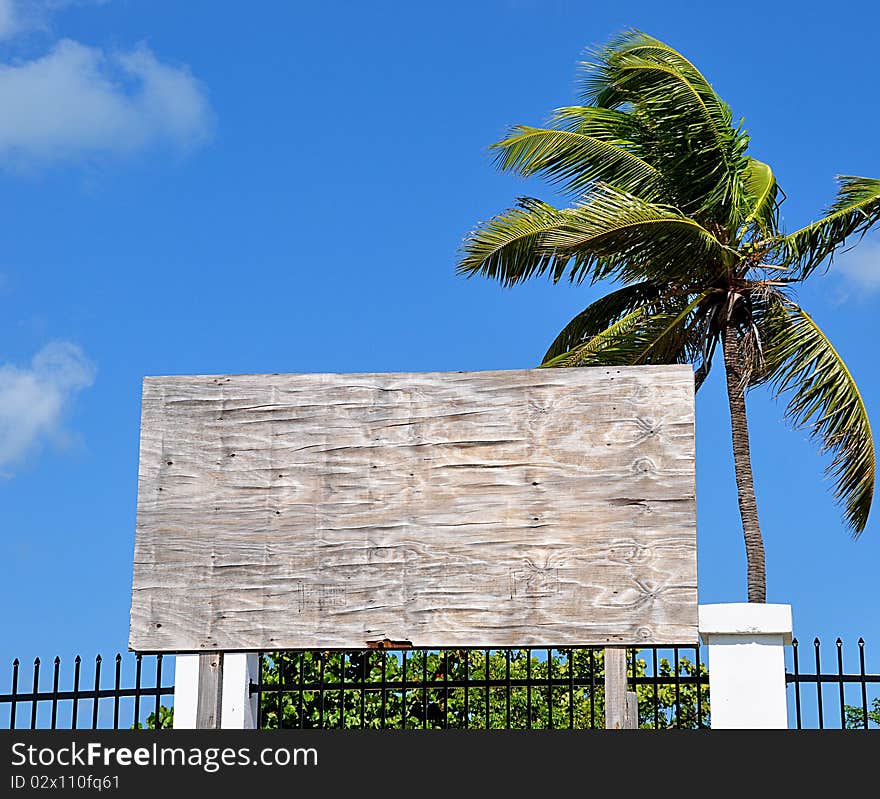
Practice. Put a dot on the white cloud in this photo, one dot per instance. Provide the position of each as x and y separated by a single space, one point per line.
33 399
860 266
19 16
79 101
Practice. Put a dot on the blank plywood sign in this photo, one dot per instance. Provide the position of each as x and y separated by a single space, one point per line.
528 507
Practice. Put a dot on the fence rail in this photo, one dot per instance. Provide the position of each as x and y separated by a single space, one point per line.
509 688
527 688
862 713
107 707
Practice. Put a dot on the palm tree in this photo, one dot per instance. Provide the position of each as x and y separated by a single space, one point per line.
668 206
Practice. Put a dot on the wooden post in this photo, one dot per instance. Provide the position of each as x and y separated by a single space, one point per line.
209 705
632 710
621 706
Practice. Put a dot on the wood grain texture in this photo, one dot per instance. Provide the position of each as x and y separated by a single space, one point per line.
209 704
618 713
527 507
631 722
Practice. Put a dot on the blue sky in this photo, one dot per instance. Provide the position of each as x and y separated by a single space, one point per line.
205 187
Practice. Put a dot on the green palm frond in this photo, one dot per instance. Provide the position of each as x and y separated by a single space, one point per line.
824 398
599 315
626 73
599 81
639 43
612 234
615 234
512 246
576 160
695 143
761 192
589 352
643 336
607 124
671 95
855 210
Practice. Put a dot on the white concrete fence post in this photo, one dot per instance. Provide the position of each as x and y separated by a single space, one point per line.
747 664
186 691
238 708
239 705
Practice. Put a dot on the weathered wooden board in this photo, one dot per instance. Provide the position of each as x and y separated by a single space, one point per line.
527 507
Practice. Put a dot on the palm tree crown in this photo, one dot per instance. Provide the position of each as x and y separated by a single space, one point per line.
668 204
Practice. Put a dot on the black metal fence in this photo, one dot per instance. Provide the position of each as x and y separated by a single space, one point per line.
555 688
527 688
77 701
843 699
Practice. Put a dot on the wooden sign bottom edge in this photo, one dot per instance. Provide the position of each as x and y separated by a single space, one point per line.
616 643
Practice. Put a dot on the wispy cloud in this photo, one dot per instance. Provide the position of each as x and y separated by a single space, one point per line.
860 266
19 16
35 398
80 102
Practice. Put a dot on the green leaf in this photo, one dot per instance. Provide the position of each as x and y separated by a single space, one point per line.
855 211
512 247
824 399
601 314
761 192
588 353
691 136
576 160
614 234
640 337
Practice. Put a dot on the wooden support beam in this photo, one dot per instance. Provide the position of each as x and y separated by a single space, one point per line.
632 710
209 704
621 706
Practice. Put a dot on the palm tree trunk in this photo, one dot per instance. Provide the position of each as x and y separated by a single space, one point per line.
742 460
